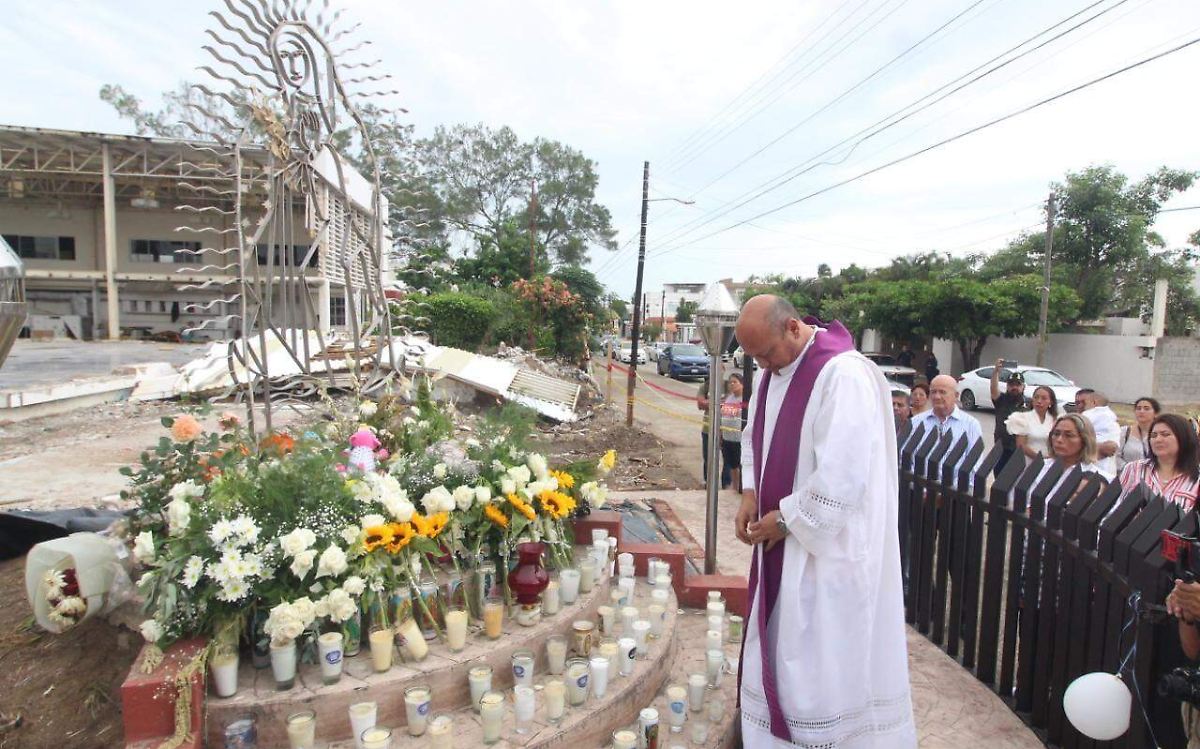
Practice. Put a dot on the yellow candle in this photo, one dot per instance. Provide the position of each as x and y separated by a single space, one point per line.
382 641
622 739
456 630
302 729
377 738
414 642
555 694
491 708
493 619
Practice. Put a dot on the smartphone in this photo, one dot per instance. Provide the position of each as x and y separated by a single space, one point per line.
1008 363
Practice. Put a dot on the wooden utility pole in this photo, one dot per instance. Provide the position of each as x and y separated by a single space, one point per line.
533 260
1042 335
637 298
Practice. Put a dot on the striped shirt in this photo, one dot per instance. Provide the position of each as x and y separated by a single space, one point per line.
1181 489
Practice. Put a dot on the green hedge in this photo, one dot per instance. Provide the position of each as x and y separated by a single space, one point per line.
459 320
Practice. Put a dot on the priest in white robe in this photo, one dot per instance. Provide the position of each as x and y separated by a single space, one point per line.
824 661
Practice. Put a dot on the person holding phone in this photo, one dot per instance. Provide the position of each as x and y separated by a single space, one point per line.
1005 404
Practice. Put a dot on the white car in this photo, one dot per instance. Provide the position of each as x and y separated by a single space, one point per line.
652 350
975 387
626 354
739 360
892 370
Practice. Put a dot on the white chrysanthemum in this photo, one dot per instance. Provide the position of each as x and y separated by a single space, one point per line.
222 533
151 630
341 605
464 497
367 409
370 521
302 563
297 541
354 585
234 590
246 529
143 547
234 563
439 471
537 464
520 475
350 534
187 490
254 565
483 494
192 572
507 486
55 581
332 563
218 573
179 515
72 606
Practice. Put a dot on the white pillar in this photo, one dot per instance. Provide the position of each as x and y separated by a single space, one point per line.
323 307
1158 321
110 247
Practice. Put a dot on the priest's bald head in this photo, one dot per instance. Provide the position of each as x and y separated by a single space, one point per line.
771 331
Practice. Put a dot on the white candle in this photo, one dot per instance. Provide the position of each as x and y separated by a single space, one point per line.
556 654
657 617
382 641
377 738
629 615
716 623
522 668
524 704
716 710
660 596
555 693
623 738
598 671
550 599
641 628
414 642
493 618
416 709
712 640
302 729
628 587
627 646
362 717
676 707
625 564
714 660
651 571
714 596
283 664
716 608
577 680
224 674
610 650
441 732
329 648
600 535
480 679
696 685
491 709
568 582
664 580
616 596
456 630
608 617
587 576
699 732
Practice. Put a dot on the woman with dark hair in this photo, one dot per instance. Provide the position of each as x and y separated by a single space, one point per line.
920 398
731 433
1032 428
1135 438
1173 469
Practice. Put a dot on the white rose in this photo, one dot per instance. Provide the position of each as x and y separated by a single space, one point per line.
401 510
437 500
143 547
179 515
305 610
507 486
151 630
439 471
297 541
354 585
321 606
471 443
186 490
370 521
483 494
302 563
537 464
367 409
464 497
520 475
333 562
350 534
341 605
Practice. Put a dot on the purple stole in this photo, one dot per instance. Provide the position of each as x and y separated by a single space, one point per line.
775 484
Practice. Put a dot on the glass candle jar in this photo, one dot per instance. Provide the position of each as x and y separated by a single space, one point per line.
524 705
583 634
416 708
302 729
608 620
522 668
491 711
737 629
623 738
641 632
629 615
598 673
480 680
587 576
556 654
555 694
377 738
609 649
329 650
657 616
415 646
456 629
382 643
568 583
696 685
493 617
627 646
441 732
714 661
362 717
551 602
676 707
577 680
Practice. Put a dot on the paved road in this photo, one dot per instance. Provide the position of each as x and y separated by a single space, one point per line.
43 363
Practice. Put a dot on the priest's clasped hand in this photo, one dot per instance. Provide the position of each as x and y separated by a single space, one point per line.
767 529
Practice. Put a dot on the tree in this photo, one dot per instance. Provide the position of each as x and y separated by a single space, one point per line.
503 261
619 307
583 283
651 332
686 310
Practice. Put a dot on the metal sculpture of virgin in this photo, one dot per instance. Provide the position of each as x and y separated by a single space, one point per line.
305 223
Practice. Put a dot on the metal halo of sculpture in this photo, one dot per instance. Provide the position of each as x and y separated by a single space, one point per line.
275 64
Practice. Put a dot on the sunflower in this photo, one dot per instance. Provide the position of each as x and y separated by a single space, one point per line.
522 506
377 536
565 480
495 515
559 505
401 534
430 526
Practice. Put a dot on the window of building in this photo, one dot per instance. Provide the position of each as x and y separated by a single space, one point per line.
298 251
163 251
337 310
42 248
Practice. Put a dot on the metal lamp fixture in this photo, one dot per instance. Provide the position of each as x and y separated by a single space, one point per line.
716 318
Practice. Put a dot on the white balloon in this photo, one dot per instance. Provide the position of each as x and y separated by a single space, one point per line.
1098 705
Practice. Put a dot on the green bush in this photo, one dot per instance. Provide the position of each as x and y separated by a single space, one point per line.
459 320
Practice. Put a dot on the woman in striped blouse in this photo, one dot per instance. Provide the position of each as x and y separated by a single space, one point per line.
1173 469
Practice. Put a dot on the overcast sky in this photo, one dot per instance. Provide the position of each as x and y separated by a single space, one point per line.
697 88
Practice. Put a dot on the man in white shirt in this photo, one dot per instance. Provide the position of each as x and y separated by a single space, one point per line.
945 415
1094 407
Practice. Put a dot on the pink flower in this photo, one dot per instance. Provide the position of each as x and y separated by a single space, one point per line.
185 428
229 420
382 454
340 468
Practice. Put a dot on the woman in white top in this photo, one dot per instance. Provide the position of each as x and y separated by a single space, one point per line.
1135 438
1032 428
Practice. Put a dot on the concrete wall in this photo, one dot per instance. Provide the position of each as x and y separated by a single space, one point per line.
52 220
1115 365
1177 370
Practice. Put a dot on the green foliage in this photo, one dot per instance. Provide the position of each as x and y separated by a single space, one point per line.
583 283
686 311
501 260
619 307
459 320
651 332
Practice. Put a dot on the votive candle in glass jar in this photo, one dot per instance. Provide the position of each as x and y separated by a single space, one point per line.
302 729
712 640
641 631
587 576
491 710
456 629
608 620
609 649
441 732
598 671
551 602
480 680
629 615
714 661
555 693
556 654
522 667
577 681
623 738
696 687
568 585
413 641
737 629
583 633
416 708
676 707
377 738
382 643
493 617
628 653
524 705
362 717
658 616
329 649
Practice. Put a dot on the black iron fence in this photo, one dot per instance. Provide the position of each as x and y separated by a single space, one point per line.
1031 583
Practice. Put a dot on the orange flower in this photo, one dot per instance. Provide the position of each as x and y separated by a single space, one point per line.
377 536
522 506
279 442
185 428
402 534
495 515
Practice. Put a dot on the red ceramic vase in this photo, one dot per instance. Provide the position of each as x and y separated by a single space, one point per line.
529 578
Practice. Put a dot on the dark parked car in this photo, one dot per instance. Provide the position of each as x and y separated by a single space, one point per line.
680 360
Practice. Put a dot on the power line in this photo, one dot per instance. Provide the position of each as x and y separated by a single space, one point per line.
947 141
895 118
